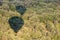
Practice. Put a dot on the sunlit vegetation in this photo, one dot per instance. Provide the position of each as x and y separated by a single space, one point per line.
41 20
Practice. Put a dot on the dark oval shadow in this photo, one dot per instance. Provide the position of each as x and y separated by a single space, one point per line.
16 23
21 9
1 2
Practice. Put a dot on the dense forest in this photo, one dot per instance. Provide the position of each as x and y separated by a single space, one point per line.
29 19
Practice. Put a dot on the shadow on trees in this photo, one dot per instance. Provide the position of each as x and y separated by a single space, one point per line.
21 9
1 2
16 23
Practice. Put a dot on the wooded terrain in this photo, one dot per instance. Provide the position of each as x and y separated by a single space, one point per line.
31 20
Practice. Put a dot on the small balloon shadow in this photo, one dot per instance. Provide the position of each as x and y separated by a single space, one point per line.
16 23
1 3
21 9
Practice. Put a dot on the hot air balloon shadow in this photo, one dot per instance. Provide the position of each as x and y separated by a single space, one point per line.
21 9
1 2
16 23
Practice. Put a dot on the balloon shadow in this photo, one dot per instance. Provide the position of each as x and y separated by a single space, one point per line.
1 2
21 9
16 23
